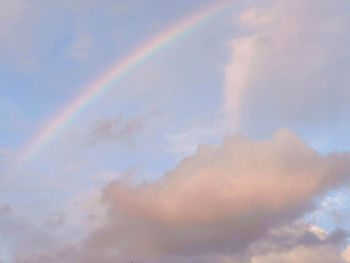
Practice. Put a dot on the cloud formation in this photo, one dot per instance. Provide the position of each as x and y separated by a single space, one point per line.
288 65
114 129
216 204
299 242
237 202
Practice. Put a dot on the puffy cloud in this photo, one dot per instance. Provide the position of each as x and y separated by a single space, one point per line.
346 254
217 203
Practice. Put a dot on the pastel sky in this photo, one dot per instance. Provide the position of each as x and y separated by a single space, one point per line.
174 131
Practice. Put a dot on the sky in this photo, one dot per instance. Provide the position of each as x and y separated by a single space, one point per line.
174 131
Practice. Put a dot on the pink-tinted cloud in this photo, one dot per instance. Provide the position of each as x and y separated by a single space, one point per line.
288 65
215 204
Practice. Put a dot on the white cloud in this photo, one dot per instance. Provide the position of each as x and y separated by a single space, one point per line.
239 75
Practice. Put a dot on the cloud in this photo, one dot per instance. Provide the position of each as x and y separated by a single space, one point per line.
19 235
289 66
346 254
18 20
238 76
216 203
281 245
81 47
54 221
5 152
28 38
10 14
299 242
114 129
302 254
4 209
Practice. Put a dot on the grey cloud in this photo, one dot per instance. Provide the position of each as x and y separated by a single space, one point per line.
19 235
298 242
114 129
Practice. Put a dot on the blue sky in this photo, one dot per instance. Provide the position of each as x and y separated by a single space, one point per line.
259 67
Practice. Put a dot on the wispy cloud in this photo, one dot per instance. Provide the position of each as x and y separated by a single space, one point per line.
114 129
286 64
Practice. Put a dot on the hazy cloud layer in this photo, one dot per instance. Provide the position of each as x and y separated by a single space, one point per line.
289 66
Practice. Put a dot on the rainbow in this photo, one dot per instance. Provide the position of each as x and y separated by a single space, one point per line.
147 50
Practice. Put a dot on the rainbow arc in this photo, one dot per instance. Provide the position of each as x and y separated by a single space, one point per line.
108 80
